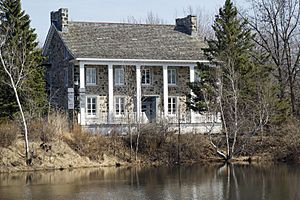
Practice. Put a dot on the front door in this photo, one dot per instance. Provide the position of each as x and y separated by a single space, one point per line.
149 108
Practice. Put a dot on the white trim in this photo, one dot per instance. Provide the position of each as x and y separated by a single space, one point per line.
82 75
110 92
192 79
142 61
82 85
138 92
192 73
166 88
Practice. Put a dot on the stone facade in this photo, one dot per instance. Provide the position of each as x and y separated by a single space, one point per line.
155 88
101 88
59 72
183 77
128 90
129 87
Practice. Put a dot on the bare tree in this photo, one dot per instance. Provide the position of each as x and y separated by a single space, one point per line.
276 24
151 18
13 59
204 20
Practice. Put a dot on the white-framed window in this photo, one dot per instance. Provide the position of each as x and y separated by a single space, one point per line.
119 76
119 105
146 77
172 76
91 76
172 105
91 103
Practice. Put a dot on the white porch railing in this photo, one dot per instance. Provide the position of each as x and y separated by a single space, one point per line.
126 118
207 118
131 118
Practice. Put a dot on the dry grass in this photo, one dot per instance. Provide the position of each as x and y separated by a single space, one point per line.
8 133
288 144
95 145
279 143
49 129
156 144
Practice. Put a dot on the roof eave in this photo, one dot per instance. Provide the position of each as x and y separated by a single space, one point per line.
48 39
140 61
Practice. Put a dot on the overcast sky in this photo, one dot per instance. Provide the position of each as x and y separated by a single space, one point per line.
111 10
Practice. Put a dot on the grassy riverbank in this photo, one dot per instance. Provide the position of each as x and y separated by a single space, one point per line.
52 146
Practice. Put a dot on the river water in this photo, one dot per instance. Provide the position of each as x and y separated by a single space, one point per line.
274 182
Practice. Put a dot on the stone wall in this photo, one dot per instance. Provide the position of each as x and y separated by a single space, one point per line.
129 87
183 77
128 90
155 88
101 88
59 72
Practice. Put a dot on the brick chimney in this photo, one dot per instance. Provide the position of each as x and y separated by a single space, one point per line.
60 19
187 25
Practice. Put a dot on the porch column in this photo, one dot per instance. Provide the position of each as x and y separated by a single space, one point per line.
165 86
82 93
110 93
138 93
192 79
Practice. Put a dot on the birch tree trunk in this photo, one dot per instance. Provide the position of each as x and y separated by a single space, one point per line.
14 87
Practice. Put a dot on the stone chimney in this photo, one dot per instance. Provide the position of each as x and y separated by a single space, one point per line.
187 25
60 19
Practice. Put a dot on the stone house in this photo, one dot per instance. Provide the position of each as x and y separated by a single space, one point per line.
123 73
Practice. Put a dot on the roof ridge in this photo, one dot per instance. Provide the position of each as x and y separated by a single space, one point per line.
120 23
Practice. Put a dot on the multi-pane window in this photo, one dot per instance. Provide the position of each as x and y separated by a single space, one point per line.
146 76
172 76
172 105
120 105
119 76
91 76
91 106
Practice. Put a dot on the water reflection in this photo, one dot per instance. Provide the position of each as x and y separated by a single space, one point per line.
185 182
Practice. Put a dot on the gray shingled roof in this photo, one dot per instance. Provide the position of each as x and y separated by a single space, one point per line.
131 41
